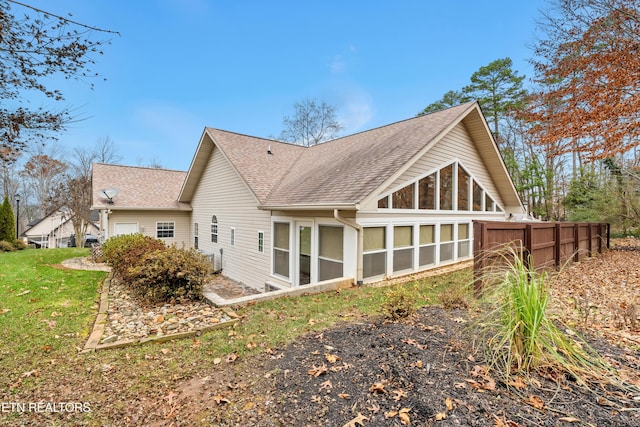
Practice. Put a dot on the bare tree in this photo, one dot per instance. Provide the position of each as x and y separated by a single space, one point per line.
313 122
74 192
35 46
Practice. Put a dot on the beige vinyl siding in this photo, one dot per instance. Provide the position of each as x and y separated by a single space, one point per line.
456 145
221 192
147 220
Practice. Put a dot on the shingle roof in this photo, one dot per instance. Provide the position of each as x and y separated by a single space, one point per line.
139 187
347 170
250 156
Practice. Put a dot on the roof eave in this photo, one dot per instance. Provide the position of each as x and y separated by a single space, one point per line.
312 207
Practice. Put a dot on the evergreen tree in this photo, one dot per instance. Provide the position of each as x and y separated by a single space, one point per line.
7 224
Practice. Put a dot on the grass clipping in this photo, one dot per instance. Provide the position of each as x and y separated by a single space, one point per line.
520 337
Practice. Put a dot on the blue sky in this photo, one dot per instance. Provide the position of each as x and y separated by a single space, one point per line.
180 65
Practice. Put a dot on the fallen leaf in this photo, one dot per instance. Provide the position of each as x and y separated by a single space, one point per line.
33 373
217 361
604 402
195 344
449 403
248 406
218 398
326 386
499 422
50 323
357 420
569 419
47 347
479 371
490 384
251 345
404 416
169 397
375 408
377 388
166 351
331 358
312 322
441 416
390 414
536 402
517 382
5 310
23 293
316 371
344 396
231 358
399 394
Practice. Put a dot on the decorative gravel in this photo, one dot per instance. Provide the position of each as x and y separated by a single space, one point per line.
128 320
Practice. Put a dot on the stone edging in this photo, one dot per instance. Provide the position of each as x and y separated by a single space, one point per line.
93 343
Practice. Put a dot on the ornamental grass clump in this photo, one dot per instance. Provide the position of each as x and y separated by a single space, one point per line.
520 337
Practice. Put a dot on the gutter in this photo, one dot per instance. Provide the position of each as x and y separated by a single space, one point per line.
351 223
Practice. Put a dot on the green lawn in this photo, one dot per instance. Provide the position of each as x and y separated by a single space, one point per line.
46 314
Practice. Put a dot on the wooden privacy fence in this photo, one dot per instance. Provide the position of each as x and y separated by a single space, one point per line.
550 244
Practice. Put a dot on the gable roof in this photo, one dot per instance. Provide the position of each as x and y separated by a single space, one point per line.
139 187
345 171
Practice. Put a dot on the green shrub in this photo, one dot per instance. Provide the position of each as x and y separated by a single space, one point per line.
20 245
399 302
6 246
169 275
126 251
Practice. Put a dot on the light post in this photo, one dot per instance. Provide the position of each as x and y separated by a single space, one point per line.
17 199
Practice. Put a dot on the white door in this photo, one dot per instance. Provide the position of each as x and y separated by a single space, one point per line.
125 228
303 253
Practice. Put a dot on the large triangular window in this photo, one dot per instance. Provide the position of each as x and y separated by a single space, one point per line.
451 188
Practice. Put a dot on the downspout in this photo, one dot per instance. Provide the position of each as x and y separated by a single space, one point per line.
358 228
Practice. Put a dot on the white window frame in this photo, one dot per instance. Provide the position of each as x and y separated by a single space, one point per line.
261 241
168 227
214 229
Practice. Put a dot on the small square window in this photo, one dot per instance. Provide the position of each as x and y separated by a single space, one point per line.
165 229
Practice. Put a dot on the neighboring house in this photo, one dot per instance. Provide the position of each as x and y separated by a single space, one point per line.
140 200
54 230
386 202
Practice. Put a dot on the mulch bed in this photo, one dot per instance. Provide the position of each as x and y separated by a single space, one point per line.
368 373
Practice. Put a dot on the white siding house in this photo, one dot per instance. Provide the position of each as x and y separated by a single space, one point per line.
386 202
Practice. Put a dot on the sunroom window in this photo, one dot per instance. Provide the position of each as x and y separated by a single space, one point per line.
330 259
427 192
477 197
464 241
463 189
427 254
403 198
281 248
446 188
402 247
446 242
374 259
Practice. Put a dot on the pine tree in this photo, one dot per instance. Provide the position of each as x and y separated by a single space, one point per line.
7 224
